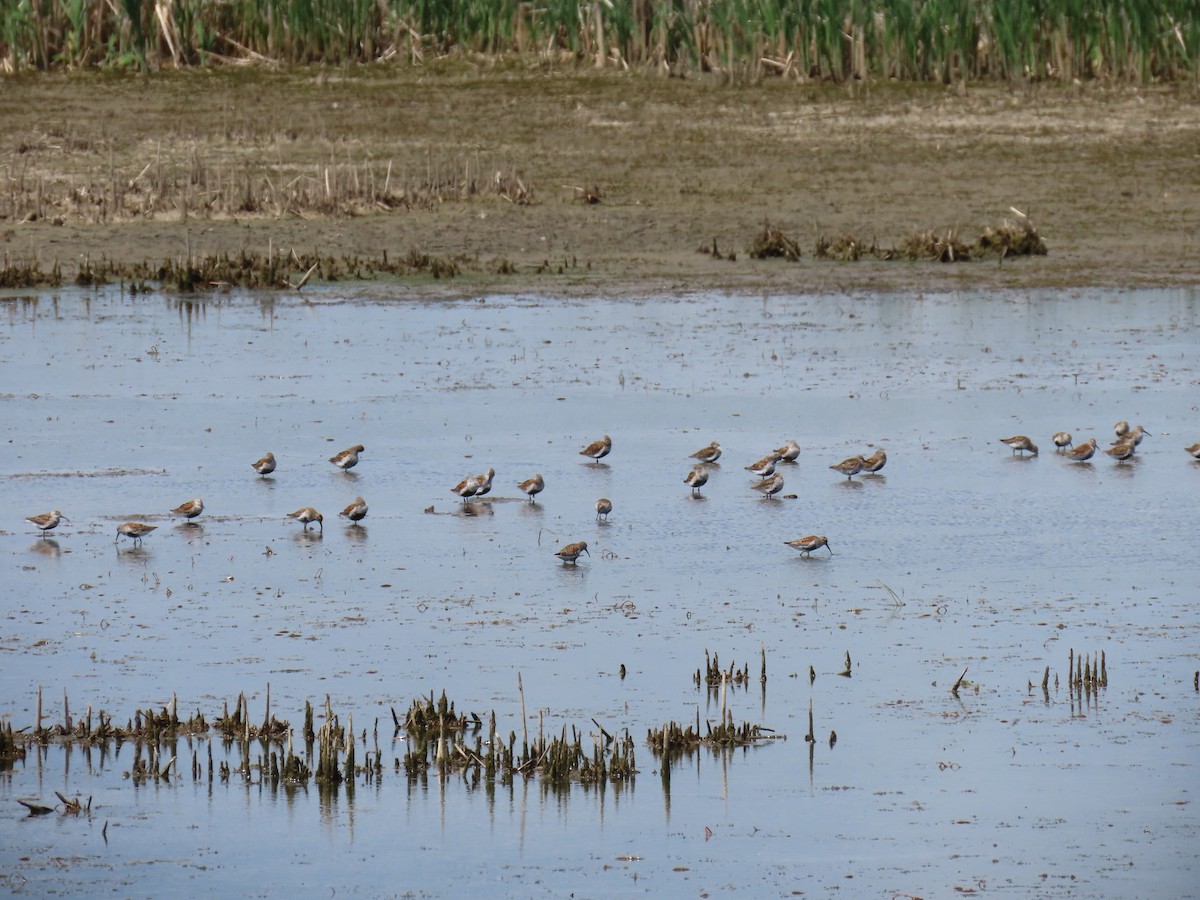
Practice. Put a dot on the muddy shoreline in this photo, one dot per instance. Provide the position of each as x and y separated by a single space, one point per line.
125 169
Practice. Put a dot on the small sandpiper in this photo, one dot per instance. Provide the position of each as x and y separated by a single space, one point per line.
1062 440
135 530
875 462
603 508
769 487
807 545
709 454
1083 452
1123 451
696 478
47 521
532 486
348 458
1018 443
264 466
356 511
597 450
1194 450
189 510
850 466
308 515
788 452
570 552
764 467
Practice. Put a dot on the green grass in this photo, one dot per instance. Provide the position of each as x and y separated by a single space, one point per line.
912 40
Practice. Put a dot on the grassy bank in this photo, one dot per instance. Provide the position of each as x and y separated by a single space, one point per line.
915 40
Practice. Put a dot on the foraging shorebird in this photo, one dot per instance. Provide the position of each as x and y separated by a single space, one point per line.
191 509
709 454
532 486
1083 452
696 478
807 545
570 552
135 530
769 487
308 515
356 511
874 462
1062 440
597 450
850 466
264 466
47 521
603 508
348 458
1018 443
788 452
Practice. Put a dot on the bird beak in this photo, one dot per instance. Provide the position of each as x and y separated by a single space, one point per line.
585 550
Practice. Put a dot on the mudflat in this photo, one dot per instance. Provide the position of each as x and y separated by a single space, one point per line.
588 182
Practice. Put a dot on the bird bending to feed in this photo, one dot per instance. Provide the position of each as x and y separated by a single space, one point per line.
597 450
308 515
1018 443
531 486
807 545
764 467
769 487
47 521
348 458
468 487
696 478
788 452
1122 451
135 530
709 454
570 552
264 466
1083 452
875 462
850 466
484 480
356 511
189 510
1062 440
1194 450
1133 435
603 508
1121 428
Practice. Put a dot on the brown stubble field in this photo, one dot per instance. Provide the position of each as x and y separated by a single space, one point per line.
495 168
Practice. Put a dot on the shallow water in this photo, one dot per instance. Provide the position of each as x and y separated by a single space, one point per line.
958 555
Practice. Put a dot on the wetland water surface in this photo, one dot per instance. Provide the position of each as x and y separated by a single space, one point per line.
958 555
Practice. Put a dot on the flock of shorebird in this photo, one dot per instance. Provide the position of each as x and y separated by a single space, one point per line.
771 483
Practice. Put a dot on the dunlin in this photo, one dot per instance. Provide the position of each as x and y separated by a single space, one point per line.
348 458
485 481
1083 452
875 461
570 552
597 450
532 486
696 478
709 454
47 521
1062 440
850 466
1121 428
769 487
807 545
603 508
764 467
307 515
264 466
356 511
1194 450
1018 443
788 452
1133 435
1122 451
135 530
189 510
468 487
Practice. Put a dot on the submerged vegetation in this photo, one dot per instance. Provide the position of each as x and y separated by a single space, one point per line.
913 40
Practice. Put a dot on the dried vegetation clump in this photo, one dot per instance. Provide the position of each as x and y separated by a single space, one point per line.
772 243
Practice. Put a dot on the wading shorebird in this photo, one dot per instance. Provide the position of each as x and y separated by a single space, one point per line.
135 530
1123 451
769 487
264 466
348 458
1083 452
875 462
47 521
1194 450
1133 435
570 552
532 486
709 454
597 450
603 508
308 515
1062 440
764 467
468 487
191 509
1018 443
696 478
850 466
356 511
1121 428
788 452
807 545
